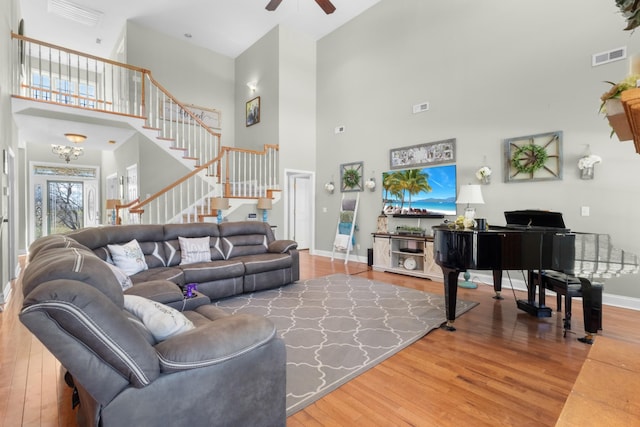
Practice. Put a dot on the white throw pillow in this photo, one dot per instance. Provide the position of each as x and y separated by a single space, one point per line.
121 277
161 320
128 257
194 250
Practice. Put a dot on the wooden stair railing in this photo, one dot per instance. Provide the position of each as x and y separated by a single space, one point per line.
121 89
188 199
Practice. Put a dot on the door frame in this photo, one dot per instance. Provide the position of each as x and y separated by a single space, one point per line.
289 200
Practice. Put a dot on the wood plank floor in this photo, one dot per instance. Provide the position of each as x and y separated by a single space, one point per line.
502 367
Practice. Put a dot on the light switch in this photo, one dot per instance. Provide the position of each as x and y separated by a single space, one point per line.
584 211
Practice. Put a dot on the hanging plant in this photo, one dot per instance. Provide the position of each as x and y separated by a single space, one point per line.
351 178
529 158
630 9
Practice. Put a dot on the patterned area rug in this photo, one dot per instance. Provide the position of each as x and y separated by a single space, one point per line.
338 326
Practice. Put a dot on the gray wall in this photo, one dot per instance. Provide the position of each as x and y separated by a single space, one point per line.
190 73
491 70
283 63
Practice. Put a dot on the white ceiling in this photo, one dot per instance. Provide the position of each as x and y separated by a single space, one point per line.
225 26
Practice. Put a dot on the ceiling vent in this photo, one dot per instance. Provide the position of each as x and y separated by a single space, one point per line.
74 12
609 56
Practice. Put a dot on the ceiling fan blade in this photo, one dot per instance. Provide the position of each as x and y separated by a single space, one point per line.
327 6
273 5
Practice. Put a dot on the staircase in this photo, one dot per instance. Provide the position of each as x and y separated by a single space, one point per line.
86 83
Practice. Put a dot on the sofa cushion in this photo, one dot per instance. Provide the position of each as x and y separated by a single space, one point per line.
214 342
128 257
121 276
194 249
161 320
244 244
172 274
265 262
162 291
212 270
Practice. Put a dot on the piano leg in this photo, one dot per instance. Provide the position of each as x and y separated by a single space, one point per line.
450 278
497 283
592 309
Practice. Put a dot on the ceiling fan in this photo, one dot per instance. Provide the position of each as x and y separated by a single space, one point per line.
326 5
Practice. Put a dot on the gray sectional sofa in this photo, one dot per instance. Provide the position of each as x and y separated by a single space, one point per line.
245 256
163 359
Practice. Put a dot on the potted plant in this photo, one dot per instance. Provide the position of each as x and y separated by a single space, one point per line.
614 110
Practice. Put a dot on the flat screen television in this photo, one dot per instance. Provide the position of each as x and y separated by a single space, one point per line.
425 191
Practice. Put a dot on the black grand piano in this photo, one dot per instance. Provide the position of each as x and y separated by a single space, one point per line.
533 240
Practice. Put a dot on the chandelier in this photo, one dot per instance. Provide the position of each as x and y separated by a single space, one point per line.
67 153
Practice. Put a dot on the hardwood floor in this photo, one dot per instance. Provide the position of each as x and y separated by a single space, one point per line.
502 367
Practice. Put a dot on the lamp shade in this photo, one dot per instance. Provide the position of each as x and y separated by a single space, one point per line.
220 203
470 194
264 203
111 203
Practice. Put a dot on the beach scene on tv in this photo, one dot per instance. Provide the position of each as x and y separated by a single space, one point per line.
423 191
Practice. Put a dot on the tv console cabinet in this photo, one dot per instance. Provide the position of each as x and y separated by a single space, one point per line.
405 254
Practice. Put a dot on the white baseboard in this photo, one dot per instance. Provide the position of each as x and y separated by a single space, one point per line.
518 284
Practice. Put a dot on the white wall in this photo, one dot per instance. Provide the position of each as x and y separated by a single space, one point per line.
190 73
9 13
491 70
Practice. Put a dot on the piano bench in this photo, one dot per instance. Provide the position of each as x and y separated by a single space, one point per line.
567 285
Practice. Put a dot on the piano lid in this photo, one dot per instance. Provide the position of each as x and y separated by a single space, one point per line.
531 218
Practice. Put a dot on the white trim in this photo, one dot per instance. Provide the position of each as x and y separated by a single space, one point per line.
612 300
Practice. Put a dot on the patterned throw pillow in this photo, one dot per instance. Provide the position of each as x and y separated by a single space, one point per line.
128 257
161 320
194 250
121 277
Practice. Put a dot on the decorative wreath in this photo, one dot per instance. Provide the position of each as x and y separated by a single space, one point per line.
351 178
529 158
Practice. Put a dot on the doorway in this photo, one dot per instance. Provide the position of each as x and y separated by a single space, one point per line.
62 198
299 207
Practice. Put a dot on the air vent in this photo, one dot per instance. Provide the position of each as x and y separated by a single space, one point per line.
419 108
74 12
609 56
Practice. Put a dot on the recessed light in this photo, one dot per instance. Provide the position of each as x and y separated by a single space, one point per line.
188 35
111 141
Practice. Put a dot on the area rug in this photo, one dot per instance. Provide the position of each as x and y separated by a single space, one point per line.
336 327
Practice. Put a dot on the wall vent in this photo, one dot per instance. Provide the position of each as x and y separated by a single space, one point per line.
609 56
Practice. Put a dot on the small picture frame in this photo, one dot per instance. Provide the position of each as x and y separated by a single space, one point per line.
253 111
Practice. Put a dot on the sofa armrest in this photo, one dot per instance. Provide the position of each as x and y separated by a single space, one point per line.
161 291
282 246
215 342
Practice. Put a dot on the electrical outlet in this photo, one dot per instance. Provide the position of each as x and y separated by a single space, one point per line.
358 246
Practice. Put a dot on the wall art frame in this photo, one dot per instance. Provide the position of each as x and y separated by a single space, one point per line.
533 157
352 177
252 111
428 154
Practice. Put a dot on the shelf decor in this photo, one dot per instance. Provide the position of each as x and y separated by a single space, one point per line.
533 157
613 107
